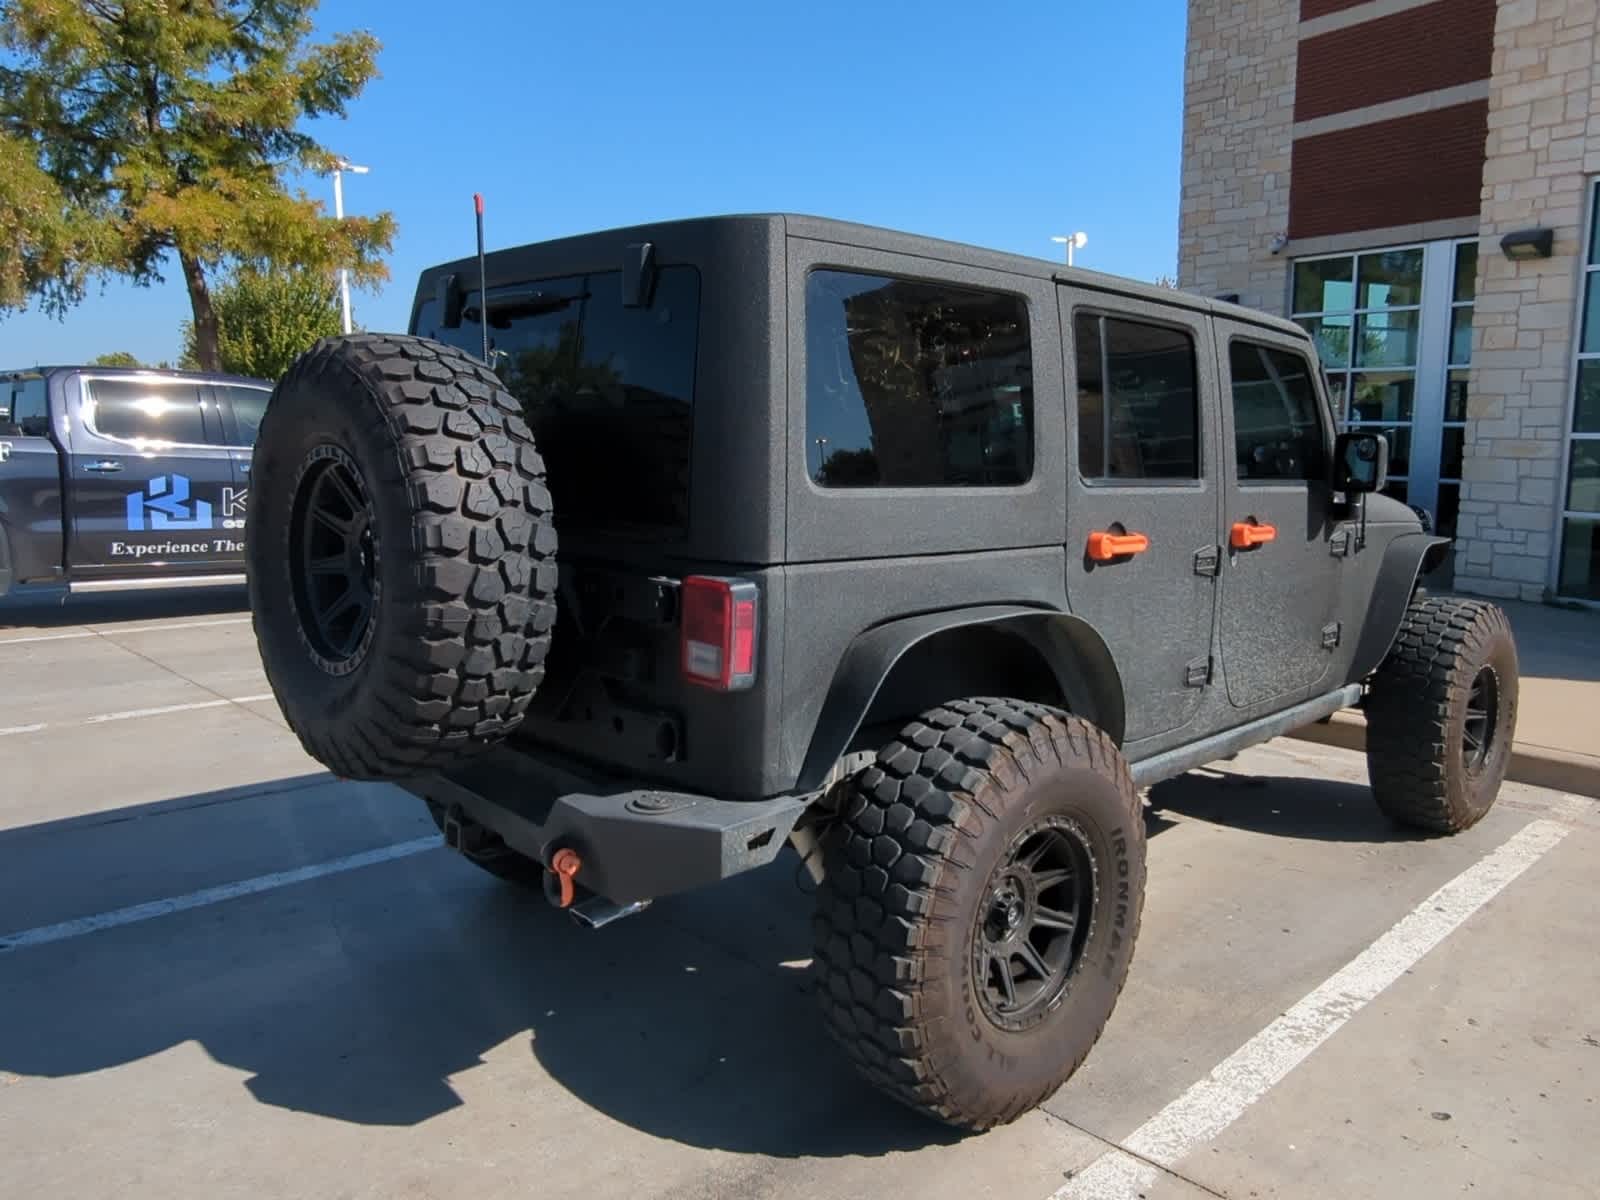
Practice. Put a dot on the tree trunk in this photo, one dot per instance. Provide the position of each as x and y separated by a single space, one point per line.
206 342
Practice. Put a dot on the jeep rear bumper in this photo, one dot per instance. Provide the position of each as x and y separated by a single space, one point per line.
634 843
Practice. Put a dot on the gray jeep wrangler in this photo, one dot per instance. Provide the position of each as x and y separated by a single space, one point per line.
920 558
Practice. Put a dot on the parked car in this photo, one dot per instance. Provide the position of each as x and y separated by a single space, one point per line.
113 478
921 557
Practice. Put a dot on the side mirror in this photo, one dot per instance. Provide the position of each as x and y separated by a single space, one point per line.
1360 462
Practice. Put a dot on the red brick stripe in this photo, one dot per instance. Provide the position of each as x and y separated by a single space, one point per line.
1427 167
1321 8
1416 51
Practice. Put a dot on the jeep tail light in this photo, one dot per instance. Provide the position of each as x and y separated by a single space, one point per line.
719 632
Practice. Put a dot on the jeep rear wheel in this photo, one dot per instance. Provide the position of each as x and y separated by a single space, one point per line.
401 555
979 911
1441 715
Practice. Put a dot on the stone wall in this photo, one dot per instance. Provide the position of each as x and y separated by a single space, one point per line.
1238 122
1544 143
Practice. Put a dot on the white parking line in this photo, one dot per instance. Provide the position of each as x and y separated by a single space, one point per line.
132 713
107 633
1242 1078
44 934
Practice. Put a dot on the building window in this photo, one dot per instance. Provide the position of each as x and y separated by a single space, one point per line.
912 384
1463 290
1578 572
1137 401
1365 311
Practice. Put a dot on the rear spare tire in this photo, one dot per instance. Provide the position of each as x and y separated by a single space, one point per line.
401 555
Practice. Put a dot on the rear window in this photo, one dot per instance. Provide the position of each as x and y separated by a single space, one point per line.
608 390
914 384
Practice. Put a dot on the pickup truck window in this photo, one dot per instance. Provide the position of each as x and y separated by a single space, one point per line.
141 410
25 411
248 404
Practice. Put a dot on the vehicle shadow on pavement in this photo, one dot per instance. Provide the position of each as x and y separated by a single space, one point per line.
392 994
156 605
1322 810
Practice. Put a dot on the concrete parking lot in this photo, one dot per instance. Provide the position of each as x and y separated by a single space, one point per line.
224 973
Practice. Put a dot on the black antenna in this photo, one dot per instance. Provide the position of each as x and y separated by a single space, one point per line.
483 280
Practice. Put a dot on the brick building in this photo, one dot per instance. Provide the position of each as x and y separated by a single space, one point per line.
1418 183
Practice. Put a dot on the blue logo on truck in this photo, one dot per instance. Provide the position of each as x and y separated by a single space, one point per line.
165 504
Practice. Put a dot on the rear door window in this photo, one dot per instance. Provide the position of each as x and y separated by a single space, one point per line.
916 384
1138 401
146 411
608 390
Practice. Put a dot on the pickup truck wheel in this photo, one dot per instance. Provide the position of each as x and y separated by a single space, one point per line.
401 555
980 907
1441 715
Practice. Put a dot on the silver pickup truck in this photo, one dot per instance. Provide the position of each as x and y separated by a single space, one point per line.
119 479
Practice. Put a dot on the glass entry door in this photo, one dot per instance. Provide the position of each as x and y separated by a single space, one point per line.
1393 328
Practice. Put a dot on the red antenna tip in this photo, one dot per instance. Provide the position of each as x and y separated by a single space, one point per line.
477 202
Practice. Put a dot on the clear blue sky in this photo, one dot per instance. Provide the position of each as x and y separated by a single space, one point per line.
998 124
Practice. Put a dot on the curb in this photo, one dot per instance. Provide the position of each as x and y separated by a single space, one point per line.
1559 770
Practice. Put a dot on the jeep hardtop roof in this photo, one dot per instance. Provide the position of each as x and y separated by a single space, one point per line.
847 233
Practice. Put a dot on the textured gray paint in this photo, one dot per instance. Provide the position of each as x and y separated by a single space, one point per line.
1152 609
833 566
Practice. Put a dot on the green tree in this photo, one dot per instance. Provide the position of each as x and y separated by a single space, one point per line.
117 358
137 131
265 320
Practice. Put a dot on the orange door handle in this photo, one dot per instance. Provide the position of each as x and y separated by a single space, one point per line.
1246 535
1104 545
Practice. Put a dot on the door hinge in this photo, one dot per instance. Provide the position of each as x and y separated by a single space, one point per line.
1339 543
1330 635
1208 560
1197 673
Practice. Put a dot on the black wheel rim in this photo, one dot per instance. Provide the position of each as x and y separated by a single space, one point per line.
1482 719
334 556
1033 920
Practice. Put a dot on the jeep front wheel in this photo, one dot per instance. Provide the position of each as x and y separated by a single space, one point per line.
979 910
1441 715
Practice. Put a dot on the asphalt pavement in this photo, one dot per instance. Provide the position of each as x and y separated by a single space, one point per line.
224 973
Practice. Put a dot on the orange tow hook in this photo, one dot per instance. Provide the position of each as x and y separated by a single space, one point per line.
558 885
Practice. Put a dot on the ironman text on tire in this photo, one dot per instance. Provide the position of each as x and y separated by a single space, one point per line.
980 907
401 555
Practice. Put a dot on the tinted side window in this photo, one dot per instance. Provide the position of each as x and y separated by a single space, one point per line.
1277 428
28 404
248 404
1137 400
912 384
140 410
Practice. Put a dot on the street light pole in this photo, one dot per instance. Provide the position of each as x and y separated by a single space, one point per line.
1074 241
339 167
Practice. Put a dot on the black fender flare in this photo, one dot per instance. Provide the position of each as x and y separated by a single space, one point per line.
1403 561
5 561
1073 650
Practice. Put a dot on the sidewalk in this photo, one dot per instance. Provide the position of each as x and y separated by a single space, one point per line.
1558 720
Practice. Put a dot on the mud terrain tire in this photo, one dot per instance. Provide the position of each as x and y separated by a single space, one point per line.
401 555
926 902
1441 715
